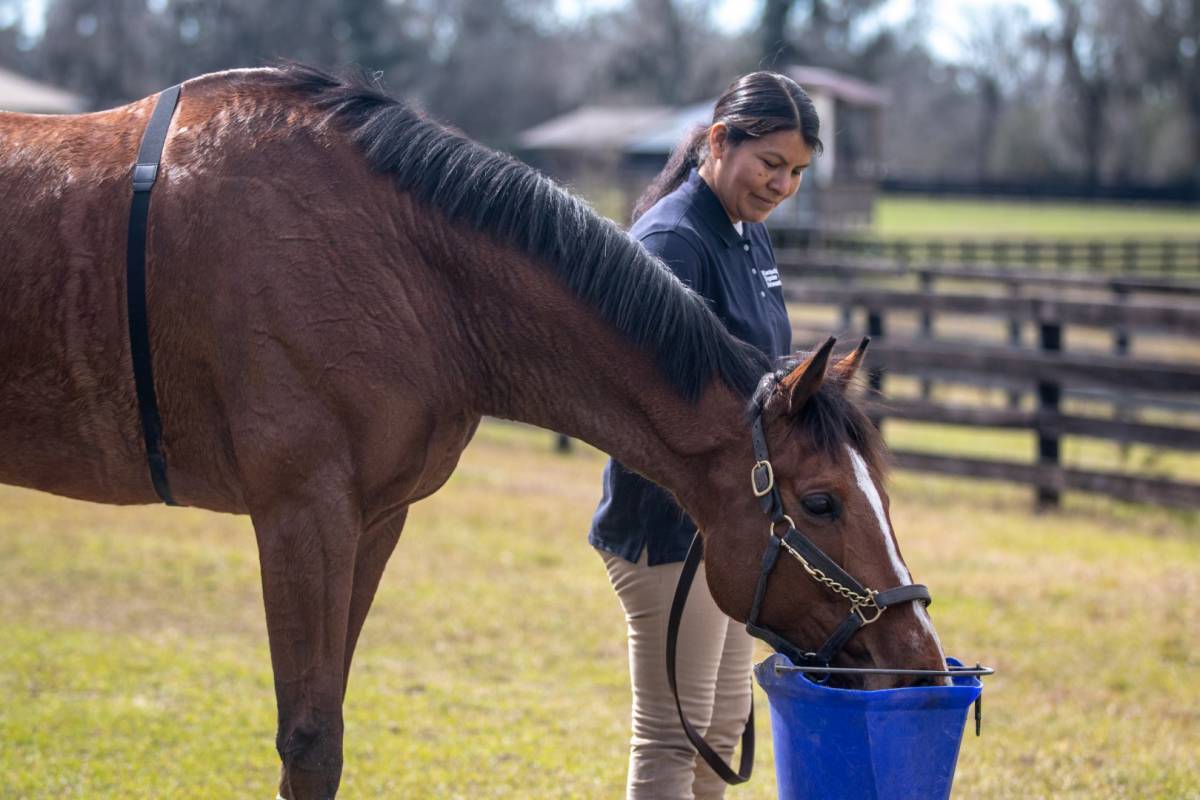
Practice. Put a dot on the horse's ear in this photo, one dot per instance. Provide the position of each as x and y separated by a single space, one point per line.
803 382
847 368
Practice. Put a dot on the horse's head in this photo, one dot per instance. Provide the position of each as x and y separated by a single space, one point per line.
821 533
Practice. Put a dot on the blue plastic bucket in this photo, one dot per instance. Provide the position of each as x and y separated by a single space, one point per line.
889 744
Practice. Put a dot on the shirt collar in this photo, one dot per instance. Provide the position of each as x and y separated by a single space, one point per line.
711 210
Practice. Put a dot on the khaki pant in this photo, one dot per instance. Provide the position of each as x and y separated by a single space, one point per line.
713 674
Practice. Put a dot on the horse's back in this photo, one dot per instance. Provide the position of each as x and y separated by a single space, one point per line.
275 264
65 409
69 421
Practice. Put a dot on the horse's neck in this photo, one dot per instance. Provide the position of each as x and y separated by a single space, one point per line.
549 359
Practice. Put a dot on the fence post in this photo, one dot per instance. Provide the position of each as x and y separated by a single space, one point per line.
1000 254
937 252
875 374
846 280
1033 253
926 326
1049 402
1121 331
1014 341
1062 255
1096 260
1129 256
1122 410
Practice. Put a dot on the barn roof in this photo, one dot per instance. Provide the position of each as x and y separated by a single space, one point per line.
848 89
657 129
18 93
595 128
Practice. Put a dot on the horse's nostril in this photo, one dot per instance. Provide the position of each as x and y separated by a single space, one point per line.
845 682
930 680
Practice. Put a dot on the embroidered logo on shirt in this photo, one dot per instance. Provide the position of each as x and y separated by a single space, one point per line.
771 277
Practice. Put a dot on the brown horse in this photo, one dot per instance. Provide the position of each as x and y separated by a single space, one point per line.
338 289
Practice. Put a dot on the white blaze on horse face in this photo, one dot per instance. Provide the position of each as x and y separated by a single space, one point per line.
867 485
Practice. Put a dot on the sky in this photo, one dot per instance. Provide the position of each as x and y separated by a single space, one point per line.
950 19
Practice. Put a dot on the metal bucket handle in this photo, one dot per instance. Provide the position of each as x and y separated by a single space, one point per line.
951 671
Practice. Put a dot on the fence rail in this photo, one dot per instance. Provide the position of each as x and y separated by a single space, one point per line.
811 264
1054 424
1050 478
1129 306
1034 367
1181 318
1172 257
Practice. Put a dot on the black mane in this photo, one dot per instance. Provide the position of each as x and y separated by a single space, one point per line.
503 197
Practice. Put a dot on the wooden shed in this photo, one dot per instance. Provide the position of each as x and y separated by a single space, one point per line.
621 148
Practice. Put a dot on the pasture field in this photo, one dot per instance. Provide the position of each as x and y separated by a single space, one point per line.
920 216
133 653
903 215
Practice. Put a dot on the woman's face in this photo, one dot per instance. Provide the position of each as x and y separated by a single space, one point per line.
754 176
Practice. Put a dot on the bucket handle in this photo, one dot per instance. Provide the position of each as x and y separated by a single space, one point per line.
949 672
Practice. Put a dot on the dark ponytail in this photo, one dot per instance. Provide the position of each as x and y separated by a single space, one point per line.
754 105
684 157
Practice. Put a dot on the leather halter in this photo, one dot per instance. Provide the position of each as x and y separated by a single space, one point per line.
819 566
867 605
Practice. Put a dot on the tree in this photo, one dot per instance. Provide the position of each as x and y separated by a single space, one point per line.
1088 73
1096 44
777 50
662 51
816 32
1173 42
997 56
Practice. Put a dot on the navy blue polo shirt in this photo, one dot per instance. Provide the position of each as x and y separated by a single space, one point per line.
736 274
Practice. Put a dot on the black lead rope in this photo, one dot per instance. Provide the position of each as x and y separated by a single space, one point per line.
726 773
145 172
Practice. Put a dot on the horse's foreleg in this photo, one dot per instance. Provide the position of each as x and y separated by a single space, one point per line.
307 556
374 549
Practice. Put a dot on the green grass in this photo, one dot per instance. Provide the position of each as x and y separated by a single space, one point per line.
133 656
922 216
919 216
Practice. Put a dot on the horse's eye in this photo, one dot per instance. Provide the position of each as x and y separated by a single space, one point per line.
819 505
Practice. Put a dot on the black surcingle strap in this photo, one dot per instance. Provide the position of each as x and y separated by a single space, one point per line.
145 172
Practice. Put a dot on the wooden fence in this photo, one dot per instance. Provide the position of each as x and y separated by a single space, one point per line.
1168 257
1139 392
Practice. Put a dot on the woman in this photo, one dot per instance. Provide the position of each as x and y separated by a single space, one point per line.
703 216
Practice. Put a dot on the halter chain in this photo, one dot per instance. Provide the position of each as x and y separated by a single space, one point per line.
866 605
